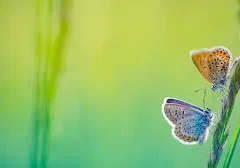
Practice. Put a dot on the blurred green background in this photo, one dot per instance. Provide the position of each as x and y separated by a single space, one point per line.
122 58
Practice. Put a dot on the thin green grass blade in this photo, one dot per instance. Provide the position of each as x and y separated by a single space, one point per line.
53 68
58 46
36 118
46 70
232 147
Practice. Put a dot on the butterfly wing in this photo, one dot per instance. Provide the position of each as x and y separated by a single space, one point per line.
191 130
175 110
212 63
218 63
200 58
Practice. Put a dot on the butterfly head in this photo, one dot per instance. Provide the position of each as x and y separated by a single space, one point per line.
215 87
223 82
208 113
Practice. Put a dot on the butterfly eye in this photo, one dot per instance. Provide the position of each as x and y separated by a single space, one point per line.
214 87
207 111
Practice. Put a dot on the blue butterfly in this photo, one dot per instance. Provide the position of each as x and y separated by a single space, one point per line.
190 124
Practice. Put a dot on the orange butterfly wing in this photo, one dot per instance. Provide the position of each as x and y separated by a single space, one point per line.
212 63
200 59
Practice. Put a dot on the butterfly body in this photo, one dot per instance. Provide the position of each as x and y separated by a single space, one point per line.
220 85
189 123
213 64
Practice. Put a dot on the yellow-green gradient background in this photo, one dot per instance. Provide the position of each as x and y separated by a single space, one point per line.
122 58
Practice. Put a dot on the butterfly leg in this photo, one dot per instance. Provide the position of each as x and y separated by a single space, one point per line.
202 138
216 117
224 94
229 76
220 96
223 91
211 130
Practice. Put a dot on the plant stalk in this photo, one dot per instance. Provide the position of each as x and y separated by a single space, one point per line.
221 131
232 147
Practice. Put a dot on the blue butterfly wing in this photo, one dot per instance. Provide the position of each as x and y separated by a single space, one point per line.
175 110
191 130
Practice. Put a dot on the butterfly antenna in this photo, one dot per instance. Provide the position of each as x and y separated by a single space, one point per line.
204 98
199 90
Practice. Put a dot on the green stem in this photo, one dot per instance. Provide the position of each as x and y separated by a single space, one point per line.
53 64
221 132
49 59
232 147
36 129
46 68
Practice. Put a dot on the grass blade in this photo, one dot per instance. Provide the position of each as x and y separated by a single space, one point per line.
232 147
53 68
36 125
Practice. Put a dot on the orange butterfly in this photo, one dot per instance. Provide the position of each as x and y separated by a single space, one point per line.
213 64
